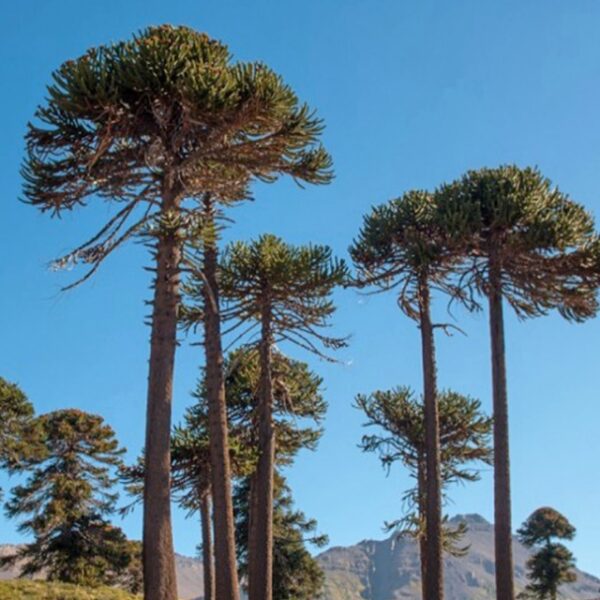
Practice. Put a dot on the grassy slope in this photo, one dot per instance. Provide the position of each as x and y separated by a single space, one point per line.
22 589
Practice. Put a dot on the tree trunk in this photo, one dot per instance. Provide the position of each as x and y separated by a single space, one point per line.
433 520
422 516
207 548
227 587
261 551
158 557
502 511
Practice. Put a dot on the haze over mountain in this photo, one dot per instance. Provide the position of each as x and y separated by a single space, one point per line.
389 570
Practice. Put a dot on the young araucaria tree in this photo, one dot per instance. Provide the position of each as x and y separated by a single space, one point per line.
285 292
160 127
525 242
400 247
69 491
464 441
552 564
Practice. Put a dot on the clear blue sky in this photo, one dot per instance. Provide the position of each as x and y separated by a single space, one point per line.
413 93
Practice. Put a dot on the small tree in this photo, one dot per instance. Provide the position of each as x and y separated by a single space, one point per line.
402 247
286 292
525 242
162 127
65 499
464 441
16 411
552 564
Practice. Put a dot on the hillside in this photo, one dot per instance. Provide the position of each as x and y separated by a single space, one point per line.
389 570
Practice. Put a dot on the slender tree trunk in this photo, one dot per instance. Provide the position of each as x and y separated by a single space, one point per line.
433 520
502 510
207 548
158 557
261 552
422 516
227 587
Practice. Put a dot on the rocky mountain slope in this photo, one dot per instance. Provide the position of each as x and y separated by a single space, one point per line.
389 570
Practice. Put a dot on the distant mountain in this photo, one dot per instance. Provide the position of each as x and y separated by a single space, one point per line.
389 570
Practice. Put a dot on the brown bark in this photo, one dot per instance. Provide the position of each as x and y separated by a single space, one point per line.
422 515
433 501
502 501
226 578
207 548
261 552
159 559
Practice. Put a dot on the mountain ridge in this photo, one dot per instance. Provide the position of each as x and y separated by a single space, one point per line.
389 569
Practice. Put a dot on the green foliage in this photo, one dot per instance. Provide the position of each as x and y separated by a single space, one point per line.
544 524
293 284
64 500
296 574
464 440
543 243
41 590
16 411
166 110
401 245
552 564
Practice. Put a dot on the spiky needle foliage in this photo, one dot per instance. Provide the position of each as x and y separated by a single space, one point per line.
544 244
167 106
158 126
402 247
294 282
552 564
464 442
66 497
526 242
16 411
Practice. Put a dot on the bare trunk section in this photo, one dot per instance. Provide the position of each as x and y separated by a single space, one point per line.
227 586
422 515
261 552
207 548
502 510
433 500
158 557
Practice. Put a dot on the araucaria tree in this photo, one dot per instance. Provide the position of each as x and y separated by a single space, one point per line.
64 502
464 441
16 412
552 564
285 292
160 127
527 243
401 247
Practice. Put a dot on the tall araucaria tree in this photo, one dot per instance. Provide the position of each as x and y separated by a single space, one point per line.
552 564
65 499
161 127
285 292
464 441
527 243
401 247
